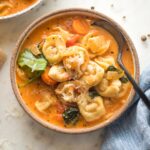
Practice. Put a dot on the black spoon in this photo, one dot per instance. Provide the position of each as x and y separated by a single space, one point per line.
121 41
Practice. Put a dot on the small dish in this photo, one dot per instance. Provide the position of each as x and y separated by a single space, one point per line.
23 11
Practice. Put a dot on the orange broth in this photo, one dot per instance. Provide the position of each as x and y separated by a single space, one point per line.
31 92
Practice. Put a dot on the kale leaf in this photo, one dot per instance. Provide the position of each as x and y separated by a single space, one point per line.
71 115
111 68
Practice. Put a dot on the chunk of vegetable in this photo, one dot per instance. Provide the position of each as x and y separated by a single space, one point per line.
80 26
72 41
93 93
31 65
46 78
124 79
71 115
35 50
112 68
27 59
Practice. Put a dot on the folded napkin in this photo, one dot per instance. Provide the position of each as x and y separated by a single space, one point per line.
132 130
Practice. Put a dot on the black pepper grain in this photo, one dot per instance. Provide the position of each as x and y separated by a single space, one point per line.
92 7
143 38
124 17
148 35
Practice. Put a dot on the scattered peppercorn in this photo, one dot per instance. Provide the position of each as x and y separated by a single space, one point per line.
124 17
148 35
92 7
143 38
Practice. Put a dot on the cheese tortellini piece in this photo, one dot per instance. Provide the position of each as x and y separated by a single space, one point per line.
70 90
65 34
124 89
107 89
91 109
76 61
58 73
46 100
105 62
96 44
53 48
93 74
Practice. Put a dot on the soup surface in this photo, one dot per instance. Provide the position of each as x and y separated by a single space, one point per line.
67 73
8 7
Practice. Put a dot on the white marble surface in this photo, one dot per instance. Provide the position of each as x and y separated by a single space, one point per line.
17 130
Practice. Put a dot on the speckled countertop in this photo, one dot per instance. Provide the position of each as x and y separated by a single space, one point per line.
17 130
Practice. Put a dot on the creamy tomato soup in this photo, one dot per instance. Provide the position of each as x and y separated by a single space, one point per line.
8 7
67 73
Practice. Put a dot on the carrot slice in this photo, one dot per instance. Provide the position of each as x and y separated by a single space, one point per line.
80 26
46 79
72 41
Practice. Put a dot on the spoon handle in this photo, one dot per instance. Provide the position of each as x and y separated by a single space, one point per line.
136 87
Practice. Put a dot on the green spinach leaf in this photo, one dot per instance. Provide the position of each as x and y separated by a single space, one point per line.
93 93
124 79
71 115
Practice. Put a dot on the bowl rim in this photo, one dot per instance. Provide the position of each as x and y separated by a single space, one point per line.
37 23
31 7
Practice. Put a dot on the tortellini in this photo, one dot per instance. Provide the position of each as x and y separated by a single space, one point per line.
70 90
107 89
114 75
93 74
76 61
47 99
58 73
91 34
5 8
111 89
65 34
91 109
105 62
96 44
123 90
42 105
53 48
